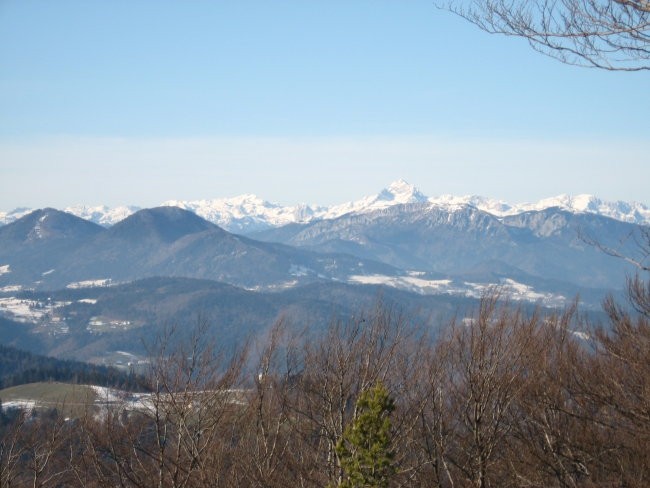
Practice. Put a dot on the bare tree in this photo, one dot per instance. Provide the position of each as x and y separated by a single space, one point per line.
621 390
435 419
266 449
555 440
178 436
350 357
606 34
11 450
46 443
487 369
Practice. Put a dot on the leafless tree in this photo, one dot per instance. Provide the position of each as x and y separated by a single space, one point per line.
503 398
11 451
178 437
435 419
349 357
621 388
606 34
46 450
266 449
486 372
555 441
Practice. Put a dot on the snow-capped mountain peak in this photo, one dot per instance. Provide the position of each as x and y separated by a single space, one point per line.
398 192
401 191
101 214
249 213
631 212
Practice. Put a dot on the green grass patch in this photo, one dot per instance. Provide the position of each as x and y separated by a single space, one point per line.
69 399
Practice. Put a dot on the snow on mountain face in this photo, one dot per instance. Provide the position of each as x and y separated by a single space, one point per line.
9 217
631 212
398 192
102 214
249 213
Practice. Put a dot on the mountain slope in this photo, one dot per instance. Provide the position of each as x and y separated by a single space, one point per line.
460 240
32 247
164 241
118 323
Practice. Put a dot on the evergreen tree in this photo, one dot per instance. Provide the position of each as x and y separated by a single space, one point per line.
364 449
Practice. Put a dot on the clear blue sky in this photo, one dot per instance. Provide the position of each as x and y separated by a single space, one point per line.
137 102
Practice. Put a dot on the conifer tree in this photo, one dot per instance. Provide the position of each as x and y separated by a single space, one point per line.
364 449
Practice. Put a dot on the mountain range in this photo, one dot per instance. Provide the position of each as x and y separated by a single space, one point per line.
50 249
70 286
417 245
249 213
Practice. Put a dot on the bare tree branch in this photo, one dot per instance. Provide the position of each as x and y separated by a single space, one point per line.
607 34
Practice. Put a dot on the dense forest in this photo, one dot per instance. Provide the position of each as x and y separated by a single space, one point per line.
504 398
18 367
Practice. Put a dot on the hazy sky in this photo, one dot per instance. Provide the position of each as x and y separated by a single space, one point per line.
137 102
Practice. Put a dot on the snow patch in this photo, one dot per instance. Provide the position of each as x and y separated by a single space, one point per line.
632 212
516 291
22 310
26 405
31 311
298 270
10 288
512 289
581 335
124 353
101 214
413 283
107 395
247 213
92 301
90 283
9 217
4 269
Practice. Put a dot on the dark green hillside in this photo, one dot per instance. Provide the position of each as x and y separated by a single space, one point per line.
18 367
115 325
123 319
18 335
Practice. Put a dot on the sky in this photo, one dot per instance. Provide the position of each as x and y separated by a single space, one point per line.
139 102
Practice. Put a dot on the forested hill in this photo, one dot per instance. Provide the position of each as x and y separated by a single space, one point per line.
18 367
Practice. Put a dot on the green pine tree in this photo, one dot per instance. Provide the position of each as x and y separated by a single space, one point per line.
364 449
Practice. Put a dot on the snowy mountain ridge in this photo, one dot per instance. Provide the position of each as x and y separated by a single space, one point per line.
102 214
247 213
631 212
250 213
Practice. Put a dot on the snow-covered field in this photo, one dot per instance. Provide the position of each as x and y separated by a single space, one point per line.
90 283
36 312
10 288
23 310
413 283
27 405
518 291
108 395
512 289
